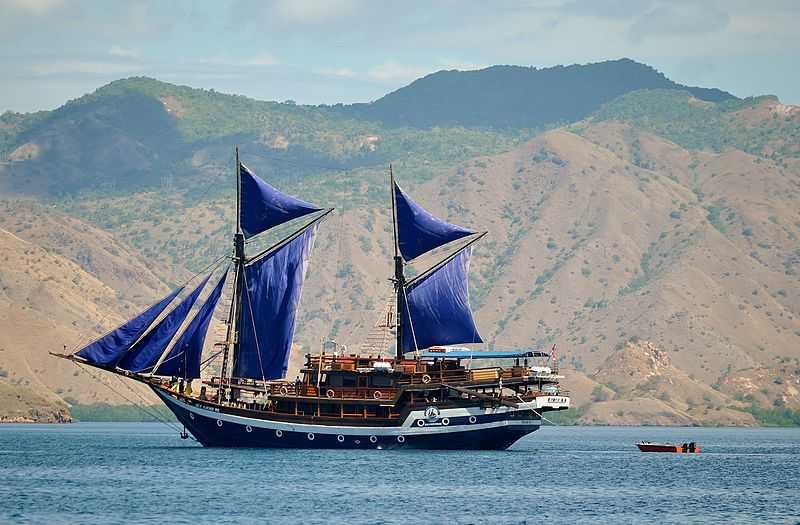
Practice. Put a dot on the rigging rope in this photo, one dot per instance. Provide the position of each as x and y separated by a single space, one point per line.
255 336
83 341
157 417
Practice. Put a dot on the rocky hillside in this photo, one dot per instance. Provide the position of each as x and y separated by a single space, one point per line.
638 385
661 217
22 404
47 302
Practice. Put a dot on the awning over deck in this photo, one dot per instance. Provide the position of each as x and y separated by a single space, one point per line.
483 354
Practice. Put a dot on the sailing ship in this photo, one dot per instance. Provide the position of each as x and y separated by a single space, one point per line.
427 393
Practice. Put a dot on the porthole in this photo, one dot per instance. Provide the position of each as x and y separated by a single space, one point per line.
445 421
279 433
420 422
373 439
472 419
191 416
401 439
219 422
358 441
310 436
248 428
340 438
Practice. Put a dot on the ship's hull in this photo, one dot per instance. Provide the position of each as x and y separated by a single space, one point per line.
456 428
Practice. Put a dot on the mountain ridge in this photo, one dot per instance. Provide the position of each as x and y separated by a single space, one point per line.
660 217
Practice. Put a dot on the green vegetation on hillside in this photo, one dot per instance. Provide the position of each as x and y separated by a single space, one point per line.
774 417
515 97
103 412
698 124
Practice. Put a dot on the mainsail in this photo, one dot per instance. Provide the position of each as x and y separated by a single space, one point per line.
143 356
264 207
419 231
265 297
437 306
183 359
109 349
269 305
433 308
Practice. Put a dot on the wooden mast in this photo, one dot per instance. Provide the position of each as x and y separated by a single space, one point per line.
399 277
234 314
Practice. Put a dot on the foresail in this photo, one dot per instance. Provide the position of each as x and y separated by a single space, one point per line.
109 349
264 207
269 306
419 231
143 356
437 307
183 359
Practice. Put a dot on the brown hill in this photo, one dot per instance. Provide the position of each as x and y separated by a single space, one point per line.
641 386
96 251
48 302
21 404
599 234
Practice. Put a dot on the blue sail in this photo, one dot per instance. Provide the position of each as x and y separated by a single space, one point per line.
263 207
143 356
269 306
437 307
418 231
109 349
183 359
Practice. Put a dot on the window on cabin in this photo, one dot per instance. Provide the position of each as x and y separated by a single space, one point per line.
381 381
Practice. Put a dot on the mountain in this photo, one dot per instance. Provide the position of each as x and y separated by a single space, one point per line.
141 133
661 227
48 303
511 97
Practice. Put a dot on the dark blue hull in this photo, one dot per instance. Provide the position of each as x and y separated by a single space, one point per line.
481 431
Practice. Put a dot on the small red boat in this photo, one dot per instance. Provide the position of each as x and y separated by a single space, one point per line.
684 448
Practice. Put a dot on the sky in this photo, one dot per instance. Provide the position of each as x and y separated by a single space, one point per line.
317 51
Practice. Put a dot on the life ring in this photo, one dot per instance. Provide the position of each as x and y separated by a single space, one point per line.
340 438
284 391
219 422
420 422
373 439
472 419
445 421
330 393
377 394
279 433
248 428
401 439
426 379
310 436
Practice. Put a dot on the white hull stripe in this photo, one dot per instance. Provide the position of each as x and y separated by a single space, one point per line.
408 427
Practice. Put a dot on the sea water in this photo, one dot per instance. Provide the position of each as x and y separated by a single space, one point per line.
144 473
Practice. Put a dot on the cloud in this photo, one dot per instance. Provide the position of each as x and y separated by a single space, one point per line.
313 11
339 72
91 67
264 59
606 8
32 7
392 71
123 52
679 20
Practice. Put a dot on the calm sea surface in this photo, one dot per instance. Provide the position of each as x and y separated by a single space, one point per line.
143 473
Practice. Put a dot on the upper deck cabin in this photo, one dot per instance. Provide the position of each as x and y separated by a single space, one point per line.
360 376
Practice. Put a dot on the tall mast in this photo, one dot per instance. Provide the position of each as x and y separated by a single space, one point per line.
399 277
232 336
